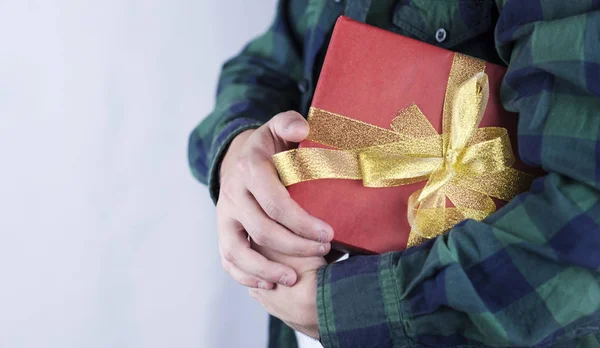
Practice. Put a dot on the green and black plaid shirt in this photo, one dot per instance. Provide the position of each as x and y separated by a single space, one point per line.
529 275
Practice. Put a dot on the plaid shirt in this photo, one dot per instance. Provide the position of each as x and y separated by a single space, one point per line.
529 275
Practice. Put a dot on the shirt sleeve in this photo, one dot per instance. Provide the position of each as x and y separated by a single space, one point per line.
529 275
253 87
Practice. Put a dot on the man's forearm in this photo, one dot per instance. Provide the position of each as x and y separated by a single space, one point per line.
502 282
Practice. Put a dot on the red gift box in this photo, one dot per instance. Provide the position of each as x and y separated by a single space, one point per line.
369 75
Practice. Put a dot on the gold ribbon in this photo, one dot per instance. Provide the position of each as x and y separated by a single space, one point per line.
465 164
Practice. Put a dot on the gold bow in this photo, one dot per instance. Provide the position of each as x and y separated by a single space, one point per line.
465 164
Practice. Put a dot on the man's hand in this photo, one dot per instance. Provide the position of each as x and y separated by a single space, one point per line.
252 201
296 306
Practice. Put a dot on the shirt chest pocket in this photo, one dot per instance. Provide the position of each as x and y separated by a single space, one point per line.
445 23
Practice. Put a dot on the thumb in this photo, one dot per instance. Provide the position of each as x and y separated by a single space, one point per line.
289 126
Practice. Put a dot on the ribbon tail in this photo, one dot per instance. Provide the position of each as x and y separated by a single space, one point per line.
415 239
426 217
299 165
469 204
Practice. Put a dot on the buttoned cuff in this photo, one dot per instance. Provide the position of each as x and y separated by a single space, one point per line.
357 304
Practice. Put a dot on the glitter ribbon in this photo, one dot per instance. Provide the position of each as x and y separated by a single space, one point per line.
465 164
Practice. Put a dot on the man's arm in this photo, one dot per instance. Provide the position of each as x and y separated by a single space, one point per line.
529 274
253 87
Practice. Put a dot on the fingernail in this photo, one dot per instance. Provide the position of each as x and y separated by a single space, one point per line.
322 250
322 236
295 124
283 280
261 285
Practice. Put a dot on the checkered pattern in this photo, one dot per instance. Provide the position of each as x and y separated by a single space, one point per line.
529 275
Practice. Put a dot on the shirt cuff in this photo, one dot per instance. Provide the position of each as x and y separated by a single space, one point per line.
358 304
221 143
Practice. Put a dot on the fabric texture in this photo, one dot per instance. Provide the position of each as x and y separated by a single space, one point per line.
529 275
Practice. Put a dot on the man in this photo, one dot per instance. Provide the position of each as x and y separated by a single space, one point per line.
529 275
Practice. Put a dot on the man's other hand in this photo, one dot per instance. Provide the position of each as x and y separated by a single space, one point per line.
253 202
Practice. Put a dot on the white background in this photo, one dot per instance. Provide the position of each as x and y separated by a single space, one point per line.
105 238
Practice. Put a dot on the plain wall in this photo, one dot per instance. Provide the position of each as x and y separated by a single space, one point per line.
105 238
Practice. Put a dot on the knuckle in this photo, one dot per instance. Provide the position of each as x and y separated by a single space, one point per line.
273 210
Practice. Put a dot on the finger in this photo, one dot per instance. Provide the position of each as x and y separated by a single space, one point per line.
244 278
264 184
289 126
268 233
298 264
235 248
254 263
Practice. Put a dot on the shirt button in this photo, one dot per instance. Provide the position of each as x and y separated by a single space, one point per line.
440 35
303 86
